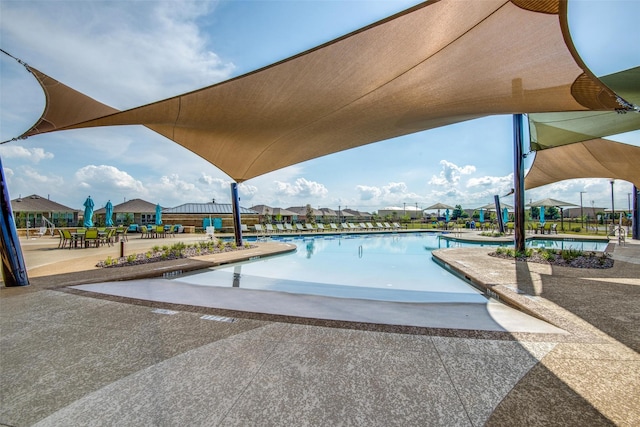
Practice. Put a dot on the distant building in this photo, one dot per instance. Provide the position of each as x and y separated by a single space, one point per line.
301 212
134 211
357 215
34 208
398 212
274 215
200 215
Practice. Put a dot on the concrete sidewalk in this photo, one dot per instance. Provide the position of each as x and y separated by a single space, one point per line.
73 357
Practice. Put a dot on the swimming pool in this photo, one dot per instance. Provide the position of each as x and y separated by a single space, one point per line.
387 267
558 244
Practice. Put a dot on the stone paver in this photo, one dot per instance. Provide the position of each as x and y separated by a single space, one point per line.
76 358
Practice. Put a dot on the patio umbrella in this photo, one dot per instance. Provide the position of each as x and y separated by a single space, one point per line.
481 215
108 213
551 202
505 215
158 214
492 206
88 212
446 215
439 206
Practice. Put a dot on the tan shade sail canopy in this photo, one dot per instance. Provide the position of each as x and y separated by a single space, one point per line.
436 64
598 158
549 130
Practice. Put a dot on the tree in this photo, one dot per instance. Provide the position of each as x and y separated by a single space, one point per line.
310 219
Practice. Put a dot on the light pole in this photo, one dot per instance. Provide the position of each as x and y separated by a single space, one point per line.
581 215
613 209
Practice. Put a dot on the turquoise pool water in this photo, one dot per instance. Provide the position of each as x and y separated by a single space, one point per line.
388 267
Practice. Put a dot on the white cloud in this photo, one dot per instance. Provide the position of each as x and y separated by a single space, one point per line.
34 155
141 51
450 173
107 177
301 188
368 193
247 191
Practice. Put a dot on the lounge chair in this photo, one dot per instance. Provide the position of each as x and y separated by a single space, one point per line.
321 227
369 226
396 225
309 227
288 227
258 228
344 226
244 228
387 226
362 226
280 228
299 227
380 226
269 228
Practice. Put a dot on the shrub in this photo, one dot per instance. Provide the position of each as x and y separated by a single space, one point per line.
571 254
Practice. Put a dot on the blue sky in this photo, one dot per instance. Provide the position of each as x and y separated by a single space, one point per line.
129 53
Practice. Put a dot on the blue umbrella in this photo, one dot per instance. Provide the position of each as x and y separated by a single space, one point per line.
108 212
158 214
541 214
481 215
446 215
88 212
505 215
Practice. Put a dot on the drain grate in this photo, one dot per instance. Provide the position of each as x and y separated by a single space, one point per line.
219 318
164 311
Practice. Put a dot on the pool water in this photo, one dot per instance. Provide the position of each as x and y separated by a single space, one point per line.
388 267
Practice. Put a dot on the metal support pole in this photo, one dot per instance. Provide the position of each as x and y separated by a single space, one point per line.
518 178
496 199
235 203
14 270
635 234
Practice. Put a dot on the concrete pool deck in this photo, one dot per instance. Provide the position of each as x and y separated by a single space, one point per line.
73 357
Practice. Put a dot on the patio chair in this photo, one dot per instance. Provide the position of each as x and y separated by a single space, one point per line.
244 228
107 237
145 232
65 238
91 238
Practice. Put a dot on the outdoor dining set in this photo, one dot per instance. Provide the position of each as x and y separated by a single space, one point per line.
91 237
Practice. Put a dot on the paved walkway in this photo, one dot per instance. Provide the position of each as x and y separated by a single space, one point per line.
71 356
